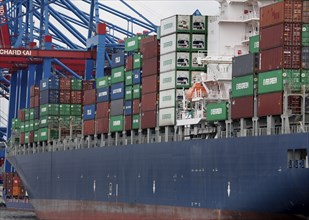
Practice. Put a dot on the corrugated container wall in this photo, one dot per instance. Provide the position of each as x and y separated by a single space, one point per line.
245 64
242 107
269 104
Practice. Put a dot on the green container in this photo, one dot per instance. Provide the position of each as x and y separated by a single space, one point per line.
76 84
304 77
136 91
305 35
49 110
31 125
22 127
36 125
27 134
137 61
116 123
292 78
76 120
242 86
254 44
36 136
65 109
31 114
76 110
128 78
217 111
49 121
65 120
27 126
129 93
271 81
117 74
27 114
133 43
46 134
16 123
102 82
136 121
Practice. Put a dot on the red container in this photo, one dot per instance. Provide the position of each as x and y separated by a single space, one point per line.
31 136
150 84
37 101
76 97
151 66
149 119
89 127
34 90
284 34
32 102
237 107
147 40
102 110
269 104
294 104
87 85
149 102
285 11
16 181
22 138
90 97
102 125
305 12
150 50
65 84
287 57
129 63
135 106
128 123
65 97
21 115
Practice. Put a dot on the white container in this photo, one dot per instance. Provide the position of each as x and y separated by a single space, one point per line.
167 62
168 44
199 23
198 41
174 79
183 60
167 117
196 77
196 59
184 22
167 98
168 26
183 41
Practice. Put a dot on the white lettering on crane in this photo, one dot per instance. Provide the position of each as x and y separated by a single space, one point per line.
11 52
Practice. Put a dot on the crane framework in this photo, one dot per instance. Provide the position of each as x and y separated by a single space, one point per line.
60 38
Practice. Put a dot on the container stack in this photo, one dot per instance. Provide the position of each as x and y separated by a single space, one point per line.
13 186
89 107
183 41
280 54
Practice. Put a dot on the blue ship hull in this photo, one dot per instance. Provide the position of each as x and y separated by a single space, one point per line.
235 178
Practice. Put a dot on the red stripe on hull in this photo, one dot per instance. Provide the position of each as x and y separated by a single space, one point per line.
75 210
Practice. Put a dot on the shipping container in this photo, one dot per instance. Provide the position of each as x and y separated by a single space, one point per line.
128 78
49 84
26 137
32 102
199 23
151 66
167 98
133 43
137 76
271 81
89 97
49 97
287 57
305 12
242 107
269 104
198 42
49 121
305 58
128 123
150 84
136 106
148 39
168 44
242 86
46 134
36 136
196 60
117 75
102 110
21 114
217 111
49 110
150 50
117 91
284 11
37 101
175 79
179 60
16 123
136 91
245 64
27 126
34 90
129 63
294 104
254 44
31 137
305 35
129 92
89 127
102 82
88 85
22 138
103 94
118 59
116 123
22 126
116 107
137 61
167 117
76 84
128 108
101 125
76 97
149 119
65 97
65 83
176 23
65 109
89 112
149 102
136 121
284 34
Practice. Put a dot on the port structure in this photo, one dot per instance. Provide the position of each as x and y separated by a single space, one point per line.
41 39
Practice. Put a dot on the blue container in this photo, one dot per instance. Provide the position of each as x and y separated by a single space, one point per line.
52 83
89 112
103 94
117 59
117 91
128 108
49 96
137 79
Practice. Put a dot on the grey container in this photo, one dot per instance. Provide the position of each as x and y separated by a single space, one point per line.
305 58
245 64
116 107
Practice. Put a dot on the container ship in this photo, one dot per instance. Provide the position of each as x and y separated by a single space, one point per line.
207 120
